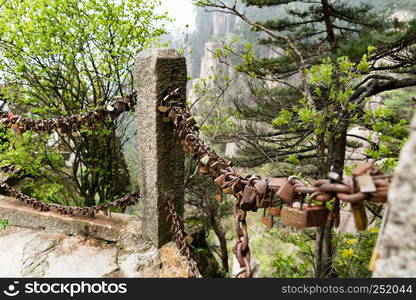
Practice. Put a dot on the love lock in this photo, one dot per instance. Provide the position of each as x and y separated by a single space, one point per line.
263 200
248 200
274 211
286 192
305 216
366 183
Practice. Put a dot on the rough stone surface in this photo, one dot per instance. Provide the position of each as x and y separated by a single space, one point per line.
121 228
161 158
39 244
397 243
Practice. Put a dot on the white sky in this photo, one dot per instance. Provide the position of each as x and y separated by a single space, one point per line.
182 11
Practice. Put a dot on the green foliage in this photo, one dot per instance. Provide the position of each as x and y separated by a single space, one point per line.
3 224
298 263
29 152
351 259
62 58
354 253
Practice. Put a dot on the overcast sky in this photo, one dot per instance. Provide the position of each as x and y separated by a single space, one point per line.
182 11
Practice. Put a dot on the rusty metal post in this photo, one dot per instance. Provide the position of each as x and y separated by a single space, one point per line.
161 158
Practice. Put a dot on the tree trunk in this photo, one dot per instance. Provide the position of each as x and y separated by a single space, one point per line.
222 240
324 250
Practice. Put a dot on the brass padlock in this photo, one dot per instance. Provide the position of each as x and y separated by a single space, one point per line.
305 216
286 193
360 216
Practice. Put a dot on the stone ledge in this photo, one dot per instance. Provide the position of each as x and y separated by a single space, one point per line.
122 229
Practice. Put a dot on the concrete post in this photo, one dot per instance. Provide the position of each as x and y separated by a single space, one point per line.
397 239
161 158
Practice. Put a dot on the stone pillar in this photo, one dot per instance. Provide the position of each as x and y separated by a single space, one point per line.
158 72
397 241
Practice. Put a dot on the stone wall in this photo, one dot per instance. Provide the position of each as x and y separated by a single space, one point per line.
47 244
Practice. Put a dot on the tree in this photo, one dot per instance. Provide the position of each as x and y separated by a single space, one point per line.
68 57
331 56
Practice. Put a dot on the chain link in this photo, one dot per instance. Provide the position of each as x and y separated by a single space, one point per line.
70 124
179 237
90 211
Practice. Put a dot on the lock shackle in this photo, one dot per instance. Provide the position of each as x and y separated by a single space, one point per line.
320 196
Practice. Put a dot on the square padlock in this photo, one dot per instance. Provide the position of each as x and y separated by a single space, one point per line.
308 216
286 193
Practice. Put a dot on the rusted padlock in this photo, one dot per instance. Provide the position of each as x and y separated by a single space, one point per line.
248 201
219 181
286 192
360 216
305 216
274 211
251 192
268 222
275 183
263 199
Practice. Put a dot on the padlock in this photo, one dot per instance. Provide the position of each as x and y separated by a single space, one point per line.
305 216
248 201
163 108
219 181
365 183
286 193
360 216
379 197
227 188
205 160
203 170
262 199
275 183
267 222
274 211
264 202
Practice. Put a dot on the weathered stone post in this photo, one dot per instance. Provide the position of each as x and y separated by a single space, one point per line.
397 244
161 158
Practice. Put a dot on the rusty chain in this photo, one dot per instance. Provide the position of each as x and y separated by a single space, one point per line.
179 237
253 192
90 211
221 170
70 124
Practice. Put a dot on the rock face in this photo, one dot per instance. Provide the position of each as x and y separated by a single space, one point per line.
39 244
397 242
